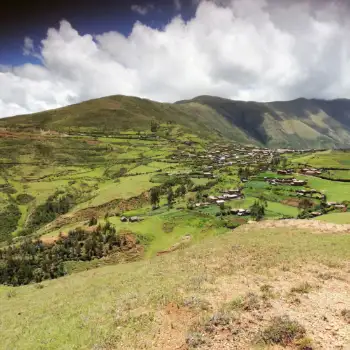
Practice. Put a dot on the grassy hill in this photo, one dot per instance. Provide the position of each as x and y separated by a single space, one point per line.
225 292
299 123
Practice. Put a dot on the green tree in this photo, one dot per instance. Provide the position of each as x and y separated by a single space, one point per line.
170 197
154 125
257 210
155 196
305 204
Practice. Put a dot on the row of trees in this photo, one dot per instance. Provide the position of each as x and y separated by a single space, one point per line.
34 261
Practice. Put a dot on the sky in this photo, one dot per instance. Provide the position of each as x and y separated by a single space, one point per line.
61 52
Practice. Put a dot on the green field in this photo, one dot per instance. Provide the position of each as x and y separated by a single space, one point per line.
335 191
325 159
336 218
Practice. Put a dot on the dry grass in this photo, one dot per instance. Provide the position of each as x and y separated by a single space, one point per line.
159 303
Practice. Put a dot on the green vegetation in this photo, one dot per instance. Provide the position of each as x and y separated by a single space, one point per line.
283 331
336 218
36 261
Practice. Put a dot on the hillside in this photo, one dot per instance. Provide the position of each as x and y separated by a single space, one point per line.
226 292
121 113
299 123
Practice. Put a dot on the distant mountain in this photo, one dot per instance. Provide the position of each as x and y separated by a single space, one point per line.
300 123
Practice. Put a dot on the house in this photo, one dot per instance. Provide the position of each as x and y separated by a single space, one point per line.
212 198
135 219
124 219
339 206
234 191
220 201
208 174
299 182
316 213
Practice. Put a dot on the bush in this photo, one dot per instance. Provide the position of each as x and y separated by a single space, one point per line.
302 288
24 198
9 219
283 331
346 315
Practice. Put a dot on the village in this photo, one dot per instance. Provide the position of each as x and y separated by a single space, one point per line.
249 164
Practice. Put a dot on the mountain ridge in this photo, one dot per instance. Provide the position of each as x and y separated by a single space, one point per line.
298 123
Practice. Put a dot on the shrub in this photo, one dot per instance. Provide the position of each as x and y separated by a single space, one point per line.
9 219
346 315
283 331
302 288
24 198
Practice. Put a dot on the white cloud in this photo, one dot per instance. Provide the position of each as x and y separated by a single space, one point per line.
177 4
142 10
241 50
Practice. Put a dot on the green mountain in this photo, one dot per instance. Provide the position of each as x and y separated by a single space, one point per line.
299 123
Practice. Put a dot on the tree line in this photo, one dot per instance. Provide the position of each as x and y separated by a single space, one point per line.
34 261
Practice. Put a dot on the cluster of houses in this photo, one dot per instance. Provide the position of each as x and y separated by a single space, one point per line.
285 181
310 192
219 156
310 171
336 205
131 219
227 195
240 212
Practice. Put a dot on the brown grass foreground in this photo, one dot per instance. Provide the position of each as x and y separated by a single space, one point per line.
224 293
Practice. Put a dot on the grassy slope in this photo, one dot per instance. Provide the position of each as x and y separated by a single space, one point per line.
325 159
335 191
119 306
336 218
117 113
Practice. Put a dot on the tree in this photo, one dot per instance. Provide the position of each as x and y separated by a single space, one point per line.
257 210
154 196
190 204
154 125
305 204
170 197
182 190
199 196
284 162
93 221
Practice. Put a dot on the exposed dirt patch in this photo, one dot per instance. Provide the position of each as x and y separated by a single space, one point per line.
174 323
93 142
184 240
311 225
52 240
293 202
243 306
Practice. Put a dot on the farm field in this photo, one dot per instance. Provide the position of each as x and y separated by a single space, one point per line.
325 159
336 218
335 191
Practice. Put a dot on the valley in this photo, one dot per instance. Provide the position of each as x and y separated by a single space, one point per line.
168 233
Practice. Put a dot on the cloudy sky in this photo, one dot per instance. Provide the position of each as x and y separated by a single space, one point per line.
53 53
